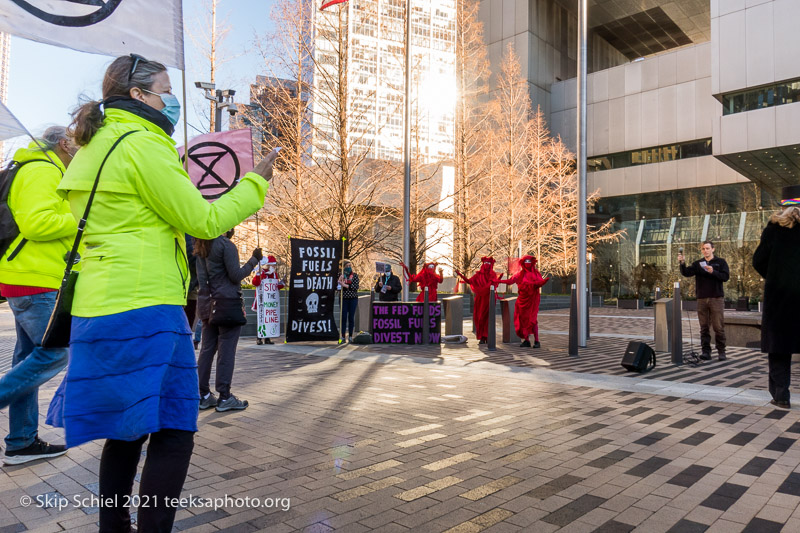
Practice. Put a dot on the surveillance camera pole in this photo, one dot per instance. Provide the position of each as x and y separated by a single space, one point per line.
222 98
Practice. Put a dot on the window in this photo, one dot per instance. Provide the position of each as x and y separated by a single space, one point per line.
657 154
787 92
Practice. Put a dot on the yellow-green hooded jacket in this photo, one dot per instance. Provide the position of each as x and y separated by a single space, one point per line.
44 220
134 248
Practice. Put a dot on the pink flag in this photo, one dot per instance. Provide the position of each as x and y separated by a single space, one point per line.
218 160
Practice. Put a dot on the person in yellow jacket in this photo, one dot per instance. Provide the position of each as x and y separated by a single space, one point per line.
30 274
132 373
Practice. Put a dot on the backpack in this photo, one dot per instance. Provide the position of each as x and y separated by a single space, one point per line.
8 226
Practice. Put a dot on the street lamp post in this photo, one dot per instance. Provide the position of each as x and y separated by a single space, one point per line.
583 323
222 98
407 153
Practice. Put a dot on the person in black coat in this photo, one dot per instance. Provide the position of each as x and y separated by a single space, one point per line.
219 276
388 286
777 259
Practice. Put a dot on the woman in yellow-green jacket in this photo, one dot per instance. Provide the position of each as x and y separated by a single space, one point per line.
132 372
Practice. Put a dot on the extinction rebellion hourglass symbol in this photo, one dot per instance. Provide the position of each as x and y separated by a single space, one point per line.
95 11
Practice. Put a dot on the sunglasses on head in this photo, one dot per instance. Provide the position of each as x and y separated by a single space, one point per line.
136 59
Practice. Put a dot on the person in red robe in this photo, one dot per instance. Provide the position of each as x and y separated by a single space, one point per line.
427 277
266 270
480 283
526 312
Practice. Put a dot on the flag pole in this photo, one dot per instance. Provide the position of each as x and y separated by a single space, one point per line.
29 134
407 153
185 123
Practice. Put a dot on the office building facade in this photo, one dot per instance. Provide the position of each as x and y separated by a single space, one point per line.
374 43
693 114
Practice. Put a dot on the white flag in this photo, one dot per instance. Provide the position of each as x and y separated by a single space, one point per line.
9 125
150 28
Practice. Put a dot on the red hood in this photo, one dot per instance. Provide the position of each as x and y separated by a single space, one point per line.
486 269
531 267
428 275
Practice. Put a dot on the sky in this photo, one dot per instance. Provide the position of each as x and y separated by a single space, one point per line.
46 82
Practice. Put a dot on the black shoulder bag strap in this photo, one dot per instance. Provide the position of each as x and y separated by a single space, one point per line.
82 222
21 244
57 334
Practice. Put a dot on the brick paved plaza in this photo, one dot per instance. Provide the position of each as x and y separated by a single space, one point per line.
455 438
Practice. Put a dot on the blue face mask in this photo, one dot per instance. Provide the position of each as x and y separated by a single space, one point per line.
172 107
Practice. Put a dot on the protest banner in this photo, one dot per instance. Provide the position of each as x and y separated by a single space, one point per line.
268 309
151 28
312 290
401 322
218 160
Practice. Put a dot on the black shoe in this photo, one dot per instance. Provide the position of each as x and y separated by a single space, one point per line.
782 405
208 402
525 344
38 450
537 345
722 356
259 342
482 341
267 341
705 356
231 403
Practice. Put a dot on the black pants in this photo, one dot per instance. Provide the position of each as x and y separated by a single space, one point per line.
222 341
780 365
349 306
163 474
191 312
711 313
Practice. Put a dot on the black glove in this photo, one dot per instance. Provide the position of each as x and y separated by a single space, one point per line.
257 254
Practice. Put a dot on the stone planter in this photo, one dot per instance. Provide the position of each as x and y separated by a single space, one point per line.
743 304
689 305
630 304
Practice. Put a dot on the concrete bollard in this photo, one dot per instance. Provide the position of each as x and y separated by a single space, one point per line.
662 309
677 333
453 310
588 299
507 308
363 321
492 340
426 318
573 321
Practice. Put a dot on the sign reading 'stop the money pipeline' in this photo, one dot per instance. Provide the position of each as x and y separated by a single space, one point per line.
312 290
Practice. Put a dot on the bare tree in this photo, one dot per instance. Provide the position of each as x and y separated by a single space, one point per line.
544 173
279 115
561 258
471 121
510 111
208 35
328 186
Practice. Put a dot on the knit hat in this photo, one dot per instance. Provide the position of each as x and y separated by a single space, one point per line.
790 195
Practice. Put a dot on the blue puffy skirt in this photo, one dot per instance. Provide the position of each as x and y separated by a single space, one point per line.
129 374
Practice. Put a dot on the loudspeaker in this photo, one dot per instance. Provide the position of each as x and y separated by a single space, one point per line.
639 357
